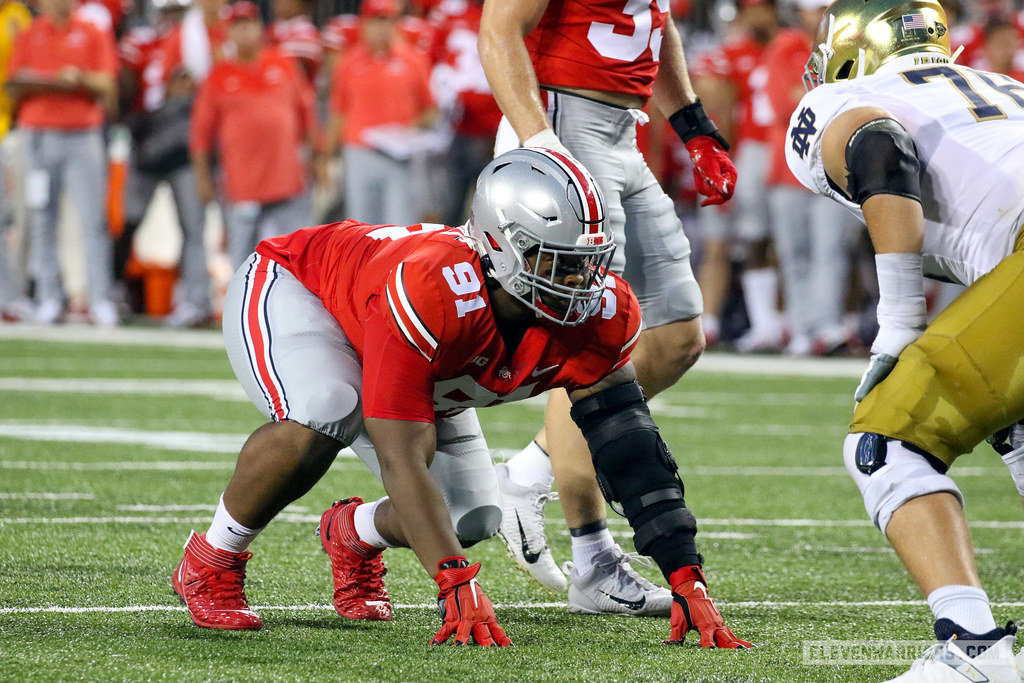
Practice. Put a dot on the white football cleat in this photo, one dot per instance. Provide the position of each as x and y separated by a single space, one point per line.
522 529
951 661
613 587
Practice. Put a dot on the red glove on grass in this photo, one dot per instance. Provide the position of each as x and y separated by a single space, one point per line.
692 609
464 608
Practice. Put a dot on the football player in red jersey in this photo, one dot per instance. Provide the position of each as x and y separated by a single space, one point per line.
385 338
573 76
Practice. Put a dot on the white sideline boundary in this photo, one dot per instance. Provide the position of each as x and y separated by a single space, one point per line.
432 606
713 361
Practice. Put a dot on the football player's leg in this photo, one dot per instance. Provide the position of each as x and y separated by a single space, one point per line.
297 367
657 267
831 229
715 270
636 470
950 389
791 232
274 331
463 471
760 278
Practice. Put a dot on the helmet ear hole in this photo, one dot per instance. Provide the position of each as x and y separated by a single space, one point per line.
843 73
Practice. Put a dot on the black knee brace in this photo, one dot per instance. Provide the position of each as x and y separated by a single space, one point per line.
637 474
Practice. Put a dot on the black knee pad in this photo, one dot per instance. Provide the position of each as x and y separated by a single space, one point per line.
637 473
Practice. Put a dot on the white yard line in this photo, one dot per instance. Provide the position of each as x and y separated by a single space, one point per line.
45 495
715 362
752 604
198 442
128 336
223 389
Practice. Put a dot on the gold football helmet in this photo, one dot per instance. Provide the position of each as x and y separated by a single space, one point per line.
856 37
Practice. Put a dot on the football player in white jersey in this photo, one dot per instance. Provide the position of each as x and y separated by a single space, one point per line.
931 156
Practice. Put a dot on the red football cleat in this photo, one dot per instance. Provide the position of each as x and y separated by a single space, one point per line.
358 568
211 584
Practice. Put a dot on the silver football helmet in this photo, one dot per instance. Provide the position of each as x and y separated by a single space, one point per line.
858 36
534 200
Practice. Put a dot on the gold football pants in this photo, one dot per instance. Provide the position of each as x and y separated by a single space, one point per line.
963 379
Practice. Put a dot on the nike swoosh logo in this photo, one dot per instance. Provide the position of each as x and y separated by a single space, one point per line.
630 604
540 371
530 558
236 533
700 586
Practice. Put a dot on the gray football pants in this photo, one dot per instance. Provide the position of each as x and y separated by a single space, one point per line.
811 234
73 162
194 284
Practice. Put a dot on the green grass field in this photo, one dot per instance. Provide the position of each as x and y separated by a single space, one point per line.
111 452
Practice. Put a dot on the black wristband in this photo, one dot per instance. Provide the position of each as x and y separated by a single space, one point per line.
452 563
691 121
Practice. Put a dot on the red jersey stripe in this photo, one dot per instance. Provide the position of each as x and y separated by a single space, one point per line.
409 321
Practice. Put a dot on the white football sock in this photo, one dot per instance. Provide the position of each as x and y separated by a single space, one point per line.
760 294
585 548
530 466
966 606
226 533
366 529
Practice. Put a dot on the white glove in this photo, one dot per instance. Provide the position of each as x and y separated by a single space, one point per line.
901 315
1014 460
548 140
1015 463
886 349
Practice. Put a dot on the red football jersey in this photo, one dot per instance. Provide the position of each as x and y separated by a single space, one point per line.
784 59
342 32
458 72
299 39
412 302
740 62
610 45
141 51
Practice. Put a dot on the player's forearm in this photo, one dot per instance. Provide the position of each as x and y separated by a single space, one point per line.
99 85
510 73
672 89
403 451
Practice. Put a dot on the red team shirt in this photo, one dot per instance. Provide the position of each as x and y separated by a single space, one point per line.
268 101
455 54
141 51
785 57
299 39
737 62
598 45
413 304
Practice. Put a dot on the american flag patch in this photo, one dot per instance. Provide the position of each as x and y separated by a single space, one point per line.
913 21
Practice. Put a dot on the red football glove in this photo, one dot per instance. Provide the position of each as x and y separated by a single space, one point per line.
713 170
464 608
693 609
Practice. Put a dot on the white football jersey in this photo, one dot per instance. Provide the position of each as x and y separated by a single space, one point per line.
968 127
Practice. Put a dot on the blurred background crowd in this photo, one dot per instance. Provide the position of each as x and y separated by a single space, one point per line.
148 146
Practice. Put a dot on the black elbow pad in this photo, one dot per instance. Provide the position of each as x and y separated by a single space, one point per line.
881 159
